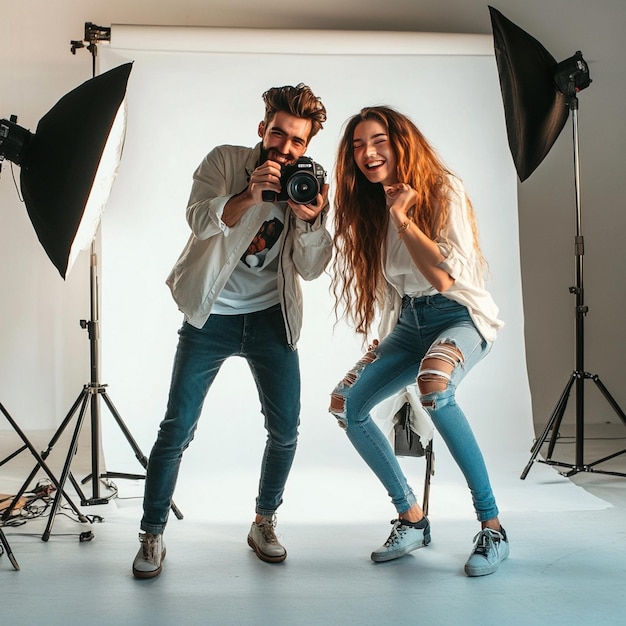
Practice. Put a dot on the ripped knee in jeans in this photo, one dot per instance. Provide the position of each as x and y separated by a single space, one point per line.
436 369
337 399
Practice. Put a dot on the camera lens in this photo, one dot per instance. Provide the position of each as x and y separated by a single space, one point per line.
303 188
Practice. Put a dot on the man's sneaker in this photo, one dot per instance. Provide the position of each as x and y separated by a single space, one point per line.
148 562
490 548
262 539
404 538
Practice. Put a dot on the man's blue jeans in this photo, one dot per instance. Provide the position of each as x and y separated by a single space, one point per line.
260 339
392 366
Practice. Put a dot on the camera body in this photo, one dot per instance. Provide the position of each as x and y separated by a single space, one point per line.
301 182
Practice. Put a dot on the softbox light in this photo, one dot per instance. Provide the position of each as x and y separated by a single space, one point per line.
69 164
535 111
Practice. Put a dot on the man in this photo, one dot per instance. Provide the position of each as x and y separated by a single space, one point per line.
237 284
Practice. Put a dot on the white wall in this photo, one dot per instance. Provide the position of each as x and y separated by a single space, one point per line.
44 360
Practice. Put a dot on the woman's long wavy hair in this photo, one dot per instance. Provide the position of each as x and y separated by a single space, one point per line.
361 217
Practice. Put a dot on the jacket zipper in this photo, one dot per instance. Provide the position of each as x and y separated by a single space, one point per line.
284 295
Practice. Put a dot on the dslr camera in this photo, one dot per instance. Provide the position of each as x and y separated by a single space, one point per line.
300 181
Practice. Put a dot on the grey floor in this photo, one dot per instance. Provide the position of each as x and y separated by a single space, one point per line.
567 564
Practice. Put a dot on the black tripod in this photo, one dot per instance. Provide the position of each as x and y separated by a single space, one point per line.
91 392
579 375
94 390
90 395
40 463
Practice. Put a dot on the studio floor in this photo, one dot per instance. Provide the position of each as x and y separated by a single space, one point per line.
567 563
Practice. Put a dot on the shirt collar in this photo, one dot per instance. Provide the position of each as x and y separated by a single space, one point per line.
253 160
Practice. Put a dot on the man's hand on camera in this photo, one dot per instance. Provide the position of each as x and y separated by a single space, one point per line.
309 212
266 177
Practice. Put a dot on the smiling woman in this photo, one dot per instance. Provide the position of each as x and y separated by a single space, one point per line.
373 154
195 88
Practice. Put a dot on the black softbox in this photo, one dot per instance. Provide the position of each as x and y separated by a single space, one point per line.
69 163
535 111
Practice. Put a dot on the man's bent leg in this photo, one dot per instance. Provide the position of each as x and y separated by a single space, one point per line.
199 355
276 371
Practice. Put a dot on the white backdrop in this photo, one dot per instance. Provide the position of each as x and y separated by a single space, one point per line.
191 89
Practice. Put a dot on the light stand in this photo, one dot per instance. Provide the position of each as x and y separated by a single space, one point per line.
538 94
93 391
579 375
67 169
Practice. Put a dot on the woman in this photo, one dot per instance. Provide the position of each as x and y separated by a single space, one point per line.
407 249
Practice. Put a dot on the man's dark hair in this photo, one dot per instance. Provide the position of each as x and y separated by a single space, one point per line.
299 101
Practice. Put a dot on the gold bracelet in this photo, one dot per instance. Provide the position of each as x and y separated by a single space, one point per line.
401 229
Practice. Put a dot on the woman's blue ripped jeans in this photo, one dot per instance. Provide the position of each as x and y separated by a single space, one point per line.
425 324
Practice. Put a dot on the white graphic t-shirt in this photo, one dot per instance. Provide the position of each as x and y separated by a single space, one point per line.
253 285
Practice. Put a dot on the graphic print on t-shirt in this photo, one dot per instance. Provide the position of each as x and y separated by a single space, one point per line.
262 244
253 283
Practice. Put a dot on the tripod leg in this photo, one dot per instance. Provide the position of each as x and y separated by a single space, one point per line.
76 486
139 455
66 467
13 455
609 398
9 511
559 412
7 549
553 424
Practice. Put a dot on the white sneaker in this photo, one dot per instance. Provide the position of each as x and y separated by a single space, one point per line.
148 562
490 549
262 539
404 538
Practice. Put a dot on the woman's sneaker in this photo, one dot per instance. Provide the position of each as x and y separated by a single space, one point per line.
404 538
490 549
149 559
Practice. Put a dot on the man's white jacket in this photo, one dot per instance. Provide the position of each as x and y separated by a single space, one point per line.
214 249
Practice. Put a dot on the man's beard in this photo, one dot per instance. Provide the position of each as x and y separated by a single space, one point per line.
265 155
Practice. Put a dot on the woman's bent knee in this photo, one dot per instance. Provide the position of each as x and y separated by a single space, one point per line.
436 370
